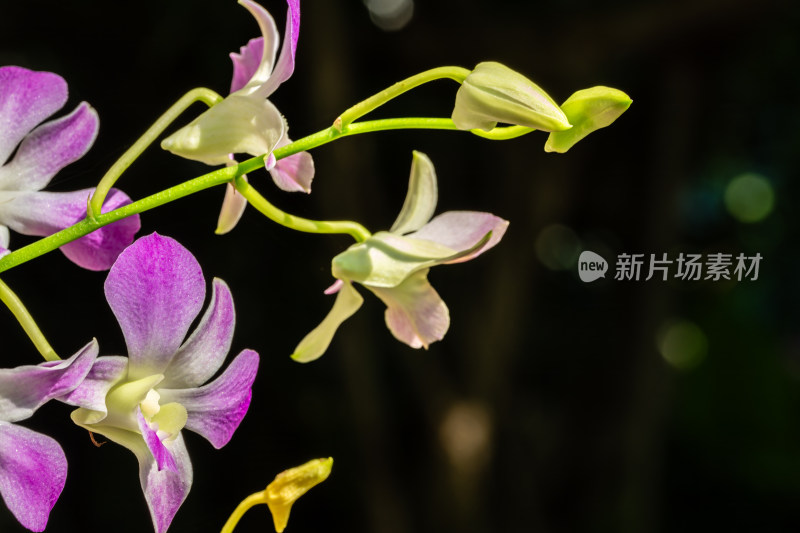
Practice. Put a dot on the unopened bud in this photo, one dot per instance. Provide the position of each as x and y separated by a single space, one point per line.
290 484
588 110
494 93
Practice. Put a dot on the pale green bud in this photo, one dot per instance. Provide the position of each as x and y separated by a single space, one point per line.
588 110
494 93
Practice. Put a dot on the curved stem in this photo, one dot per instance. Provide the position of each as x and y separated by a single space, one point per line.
225 175
243 507
373 102
86 226
207 96
354 229
27 322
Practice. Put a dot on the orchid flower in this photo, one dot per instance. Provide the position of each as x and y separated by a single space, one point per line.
27 98
293 173
245 121
156 289
394 265
33 467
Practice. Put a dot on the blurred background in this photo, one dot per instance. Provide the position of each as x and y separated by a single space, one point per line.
552 405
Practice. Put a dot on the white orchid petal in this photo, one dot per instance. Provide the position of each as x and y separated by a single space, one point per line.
421 198
238 124
232 210
269 31
315 343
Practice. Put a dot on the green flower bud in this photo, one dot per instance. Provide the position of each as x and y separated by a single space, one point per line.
494 93
588 110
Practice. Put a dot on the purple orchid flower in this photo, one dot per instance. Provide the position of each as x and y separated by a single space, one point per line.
156 290
394 265
26 99
245 121
33 467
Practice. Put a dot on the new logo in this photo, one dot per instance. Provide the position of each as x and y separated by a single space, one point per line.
591 266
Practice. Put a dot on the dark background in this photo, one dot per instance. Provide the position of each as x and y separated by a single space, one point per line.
548 407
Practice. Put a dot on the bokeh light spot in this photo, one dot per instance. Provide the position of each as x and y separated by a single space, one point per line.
557 247
682 344
390 15
749 198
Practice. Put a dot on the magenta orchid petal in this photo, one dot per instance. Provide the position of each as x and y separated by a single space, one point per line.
32 466
165 489
99 250
49 148
285 66
461 230
415 313
33 470
91 393
143 402
203 353
215 410
44 213
156 290
295 172
26 388
247 61
26 99
160 452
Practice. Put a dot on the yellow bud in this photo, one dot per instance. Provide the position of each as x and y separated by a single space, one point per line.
290 484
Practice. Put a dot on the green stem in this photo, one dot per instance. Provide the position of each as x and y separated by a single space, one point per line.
407 123
86 226
225 175
354 229
373 102
242 508
503 133
27 322
207 96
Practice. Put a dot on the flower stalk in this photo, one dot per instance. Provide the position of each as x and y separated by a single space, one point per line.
244 506
200 94
283 492
354 229
457 74
27 322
